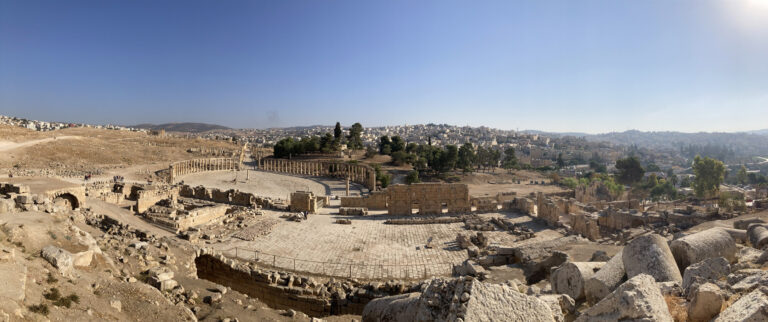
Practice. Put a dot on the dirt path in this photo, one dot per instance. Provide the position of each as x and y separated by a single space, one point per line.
8 145
125 216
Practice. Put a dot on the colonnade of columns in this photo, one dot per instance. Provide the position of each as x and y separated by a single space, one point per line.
201 165
358 173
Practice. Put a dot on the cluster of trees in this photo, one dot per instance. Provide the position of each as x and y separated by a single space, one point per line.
742 176
327 143
426 157
614 189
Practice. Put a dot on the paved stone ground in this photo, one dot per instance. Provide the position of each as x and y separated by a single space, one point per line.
270 184
372 249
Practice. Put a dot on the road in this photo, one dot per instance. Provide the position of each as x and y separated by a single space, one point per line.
7 145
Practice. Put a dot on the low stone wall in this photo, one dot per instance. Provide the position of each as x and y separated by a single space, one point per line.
376 200
282 290
232 197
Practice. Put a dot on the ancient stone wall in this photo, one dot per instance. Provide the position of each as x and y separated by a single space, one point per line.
586 224
149 197
519 204
303 201
232 197
376 200
485 203
359 173
181 168
428 198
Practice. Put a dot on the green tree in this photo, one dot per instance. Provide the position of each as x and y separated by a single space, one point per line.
412 177
560 162
671 177
709 174
629 170
385 145
355 137
397 144
448 158
510 160
337 132
741 177
466 159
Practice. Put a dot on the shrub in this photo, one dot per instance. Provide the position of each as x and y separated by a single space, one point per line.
39 309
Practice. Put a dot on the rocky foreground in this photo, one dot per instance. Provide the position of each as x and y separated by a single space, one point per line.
718 274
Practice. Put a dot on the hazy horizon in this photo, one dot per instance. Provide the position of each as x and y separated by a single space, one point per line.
553 66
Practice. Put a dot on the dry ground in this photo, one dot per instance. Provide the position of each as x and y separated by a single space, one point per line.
87 149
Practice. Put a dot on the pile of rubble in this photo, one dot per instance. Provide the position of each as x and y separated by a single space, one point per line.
716 274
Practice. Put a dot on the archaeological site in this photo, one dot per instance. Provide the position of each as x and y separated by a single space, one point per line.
384 161
225 230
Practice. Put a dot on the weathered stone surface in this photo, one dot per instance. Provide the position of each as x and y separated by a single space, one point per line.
706 303
711 243
561 305
13 280
605 280
758 235
749 255
751 282
650 254
82 259
750 307
638 299
59 258
570 278
744 223
463 298
392 308
707 270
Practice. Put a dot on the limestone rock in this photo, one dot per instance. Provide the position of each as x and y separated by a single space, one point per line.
750 307
570 278
706 303
637 299
445 300
59 258
707 270
561 305
714 242
758 235
650 254
605 280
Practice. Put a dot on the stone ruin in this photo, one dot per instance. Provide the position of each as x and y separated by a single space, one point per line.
16 197
177 169
427 198
182 214
306 201
358 173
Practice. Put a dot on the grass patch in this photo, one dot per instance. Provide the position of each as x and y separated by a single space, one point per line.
677 308
54 296
53 236
67 301
51 279
39 309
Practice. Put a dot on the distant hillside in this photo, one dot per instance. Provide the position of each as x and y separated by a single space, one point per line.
182 127
760 132
704 143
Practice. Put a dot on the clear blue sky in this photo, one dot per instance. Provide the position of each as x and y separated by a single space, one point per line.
590 66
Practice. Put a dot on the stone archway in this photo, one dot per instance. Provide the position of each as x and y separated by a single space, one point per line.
68 200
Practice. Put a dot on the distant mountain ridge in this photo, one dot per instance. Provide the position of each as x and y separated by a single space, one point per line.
182 127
